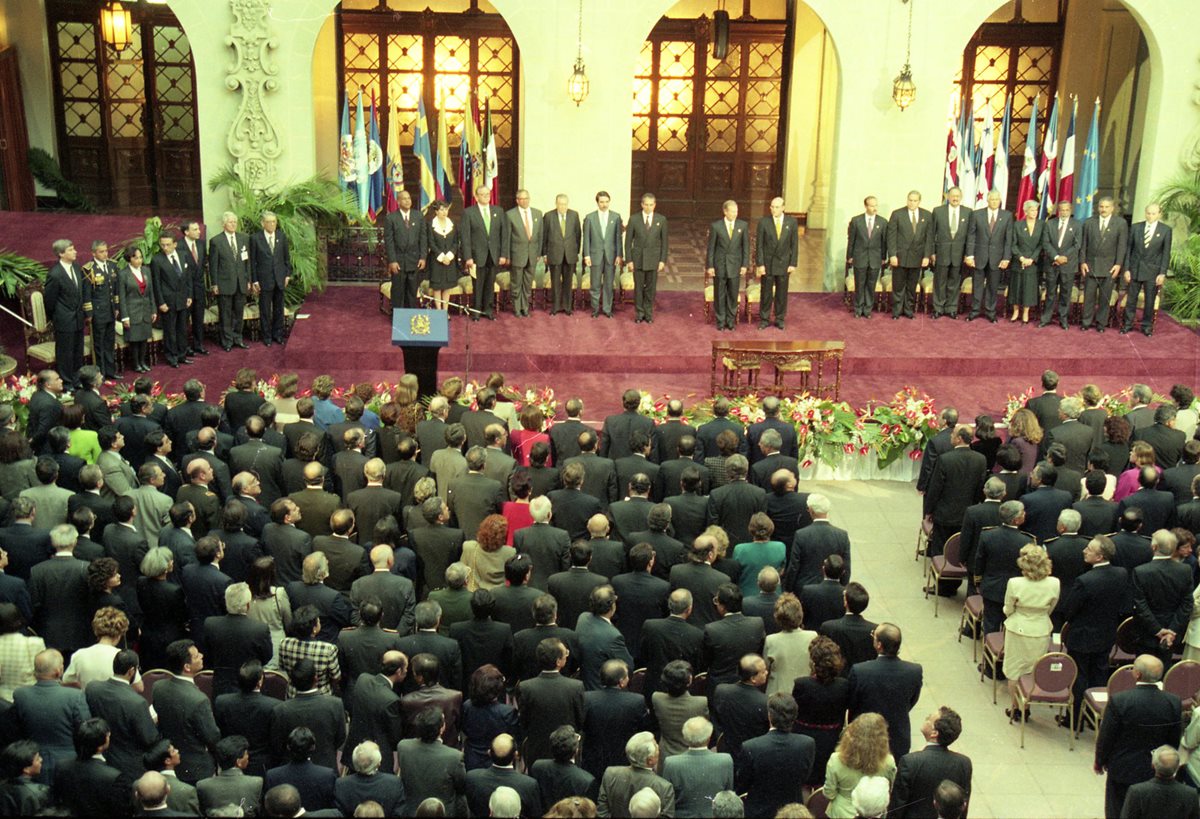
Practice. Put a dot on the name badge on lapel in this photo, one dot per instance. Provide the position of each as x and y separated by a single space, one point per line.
245 255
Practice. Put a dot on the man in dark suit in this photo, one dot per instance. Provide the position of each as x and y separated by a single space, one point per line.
669 481
1178 479
45 409
771 460
918 774
185 715
1076 437
1163 795
950 226
1157 507
787 447
229 268
617 434
264 461
88 785
247 712
689 509
127 713
429 768
548 700
483 782
482 640
322 714
564 435
234 639
956 484
426 640
646 250
731 506
726 263
988 251
545 626
231 785
1163 437
1103 252
1098 516
602 252
613 715
526 240
485 240
571 507
406 242
775 256
26 544
547 546
173 289
942 441
598 639
373 502
642 594
888 686
195 270
1135 723
763 757
375 712
866 251
824 601
270 274
909 245
560 777
102 304
204 586
572 588
706 434
300 781
64 307
315 504
1098 601
670 638
853 633
395 593
561 238
1132 544
474 496
283 541
996 561
1066 558
1061 240
669 434
332 608
739 708
1043 503
632 514
361 647
1146 266
729 638
622 782
812 544
599 473
699 577
60 595
1162 598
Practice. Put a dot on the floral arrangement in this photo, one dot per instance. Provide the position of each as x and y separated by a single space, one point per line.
16 391
541 397
1116 404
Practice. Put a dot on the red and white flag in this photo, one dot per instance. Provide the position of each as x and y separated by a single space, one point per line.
1026 190
1049 166
1066 170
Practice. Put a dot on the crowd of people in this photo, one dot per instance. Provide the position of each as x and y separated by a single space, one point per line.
299 605
1084 524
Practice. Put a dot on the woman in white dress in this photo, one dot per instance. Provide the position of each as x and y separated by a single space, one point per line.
1028 601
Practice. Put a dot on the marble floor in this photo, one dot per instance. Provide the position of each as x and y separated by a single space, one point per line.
1044 779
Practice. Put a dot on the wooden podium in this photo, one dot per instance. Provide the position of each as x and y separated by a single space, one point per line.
420 333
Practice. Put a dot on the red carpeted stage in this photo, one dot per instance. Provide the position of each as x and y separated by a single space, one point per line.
974 366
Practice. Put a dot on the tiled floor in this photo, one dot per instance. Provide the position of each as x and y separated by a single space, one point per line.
1044 779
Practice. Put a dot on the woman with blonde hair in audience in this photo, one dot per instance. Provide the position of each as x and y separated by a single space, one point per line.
1028 601
408 398
1025 433
787 650
487 553
721 561
95 663
862 751
1129 481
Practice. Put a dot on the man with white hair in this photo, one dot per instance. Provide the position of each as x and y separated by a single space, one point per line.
812 544
1162 597
270 274
1072 434
547 546
1164 795
504 803
368 784
1066 558
621 782
229 269
235 638
310 590
645 804
431 432
698 773
870 796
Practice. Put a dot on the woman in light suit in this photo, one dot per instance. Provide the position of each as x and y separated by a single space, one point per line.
138 307
786 650
1028 601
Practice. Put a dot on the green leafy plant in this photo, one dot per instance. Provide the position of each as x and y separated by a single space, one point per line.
147 242
16 271
1180 201
46 171
303 208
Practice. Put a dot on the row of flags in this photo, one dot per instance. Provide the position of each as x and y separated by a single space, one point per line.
978 168
374 172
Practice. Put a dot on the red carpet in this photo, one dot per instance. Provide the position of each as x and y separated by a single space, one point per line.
973 366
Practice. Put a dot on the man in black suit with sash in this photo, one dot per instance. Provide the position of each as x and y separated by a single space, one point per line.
1103 251
64 307
1146 267
910 243
173 289
646 248
562 235
270 273
195 268
406 242
102 305
950 226
866 250
485 240
989 251
229 267
726 262
776 252
1060 242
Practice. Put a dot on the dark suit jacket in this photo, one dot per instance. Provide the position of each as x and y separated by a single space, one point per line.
547 546
231 640
248 715
564 439
322 714
317 784
1167 443
1077 438
264 461
370 505
728 255
560 244
599 641
996 561
989 247
888 686
436 696
629 516
64 300
204 589
1178 481
472 498
1161 797
1162 598
269 269
642 597
289 546
334 608
646 248
514 605
1066 557
706 438
1158 508
230 787
777 254
907 244
1099 601
956 483
432 770
612 716
1146 261
185 717
726 641
62 605
740 714
918 776
376 715
228 271
172 287
1069 247
571 509
731 506
436 547
573 589
90 787
1042 508
557 780
128 716
763 758
631 465
1101 252
481 782
608 557
546 702
360 651
766 466
450 668
1133 549
406 242
483 642
599 477
1135 723
852 633
397 594
702 580
666 440
810 546
26 546
481 245
1098 515
938 444
689 515
950 248
822 602
382 787
868 252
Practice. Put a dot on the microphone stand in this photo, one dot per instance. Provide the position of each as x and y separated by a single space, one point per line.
462 309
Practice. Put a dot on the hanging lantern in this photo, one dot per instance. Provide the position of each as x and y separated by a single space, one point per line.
116 25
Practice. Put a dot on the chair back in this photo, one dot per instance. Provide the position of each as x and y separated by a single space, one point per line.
1183 680
952 551
204 681
1055 673
150 679
637 681
275 685
699 686
818 804
1120 680
1127 636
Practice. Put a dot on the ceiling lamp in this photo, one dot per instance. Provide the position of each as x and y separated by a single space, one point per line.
116 25
904 90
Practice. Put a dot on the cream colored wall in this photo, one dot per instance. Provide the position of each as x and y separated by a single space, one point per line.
809 155
23 25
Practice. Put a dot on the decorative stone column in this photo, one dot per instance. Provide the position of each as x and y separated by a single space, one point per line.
253 140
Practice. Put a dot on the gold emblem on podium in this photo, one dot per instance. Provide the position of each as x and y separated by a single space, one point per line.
419 325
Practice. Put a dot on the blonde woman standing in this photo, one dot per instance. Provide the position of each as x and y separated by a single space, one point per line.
1028 601
862 751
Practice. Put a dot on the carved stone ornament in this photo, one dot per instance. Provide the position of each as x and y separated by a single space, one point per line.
1191 146
252 140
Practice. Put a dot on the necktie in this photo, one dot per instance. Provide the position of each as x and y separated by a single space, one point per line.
175 264
953 221
991 221
603 224
778 227
271 241
562 224
1104 224
405 215
528 227
729 228
870 226
232 241
71 275
913 215
647 221
1149 234
487 218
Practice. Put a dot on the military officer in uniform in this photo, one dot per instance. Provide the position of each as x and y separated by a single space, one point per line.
102 304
